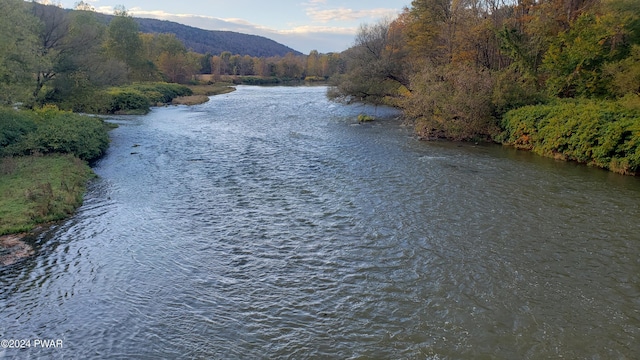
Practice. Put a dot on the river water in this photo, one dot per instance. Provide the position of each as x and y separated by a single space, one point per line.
267 224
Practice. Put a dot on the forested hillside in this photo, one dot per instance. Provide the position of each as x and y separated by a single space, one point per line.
216 42
210 41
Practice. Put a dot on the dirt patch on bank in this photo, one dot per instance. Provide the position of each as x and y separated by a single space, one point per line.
13 249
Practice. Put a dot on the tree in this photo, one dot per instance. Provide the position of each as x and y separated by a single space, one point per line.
425 28
77 64
290 66
124 43
313 64
53 46
205 64
376 66
245 65
80 67
179 67
18 46
575 60
624 74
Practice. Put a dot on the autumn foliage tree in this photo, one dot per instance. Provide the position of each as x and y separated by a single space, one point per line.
464 63
376 66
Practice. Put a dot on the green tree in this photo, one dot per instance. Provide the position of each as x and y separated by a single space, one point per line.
124 43
53 46
205 64
624 74
18 46
72 64
574 62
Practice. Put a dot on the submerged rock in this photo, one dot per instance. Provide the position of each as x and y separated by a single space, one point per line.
13 249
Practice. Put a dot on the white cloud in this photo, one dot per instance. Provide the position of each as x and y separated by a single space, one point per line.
345 14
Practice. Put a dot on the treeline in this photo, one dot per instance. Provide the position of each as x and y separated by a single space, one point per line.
314 66
510 72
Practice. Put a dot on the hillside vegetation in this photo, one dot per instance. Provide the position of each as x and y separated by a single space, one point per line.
208 41
215 41
559 77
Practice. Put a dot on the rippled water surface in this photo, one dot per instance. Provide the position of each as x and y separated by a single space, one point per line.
267 223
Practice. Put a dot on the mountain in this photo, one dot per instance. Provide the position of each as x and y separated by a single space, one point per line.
215 42
204 41
209 41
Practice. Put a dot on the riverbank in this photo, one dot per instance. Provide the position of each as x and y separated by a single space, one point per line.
201 93
44 170
49 185
40 189
604 134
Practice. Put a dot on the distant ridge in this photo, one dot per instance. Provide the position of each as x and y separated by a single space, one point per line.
211 41
215 41
205 41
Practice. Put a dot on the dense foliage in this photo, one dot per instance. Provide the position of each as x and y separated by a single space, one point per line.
49 130
43 164
600 133
471 70
137 98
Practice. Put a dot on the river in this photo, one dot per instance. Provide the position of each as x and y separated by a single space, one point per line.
267 223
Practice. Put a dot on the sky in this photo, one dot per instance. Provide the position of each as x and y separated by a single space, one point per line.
303 25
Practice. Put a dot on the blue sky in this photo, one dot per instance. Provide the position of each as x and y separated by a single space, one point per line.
304 25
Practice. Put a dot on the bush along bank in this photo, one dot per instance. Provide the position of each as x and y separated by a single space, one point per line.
44 164
134 99
600 133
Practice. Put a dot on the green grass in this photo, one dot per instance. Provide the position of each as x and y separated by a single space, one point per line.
39 189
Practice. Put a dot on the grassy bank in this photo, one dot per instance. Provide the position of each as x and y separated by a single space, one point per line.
39 189
44 164
218 88
201 93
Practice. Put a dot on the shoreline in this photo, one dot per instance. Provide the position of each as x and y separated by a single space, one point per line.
13 249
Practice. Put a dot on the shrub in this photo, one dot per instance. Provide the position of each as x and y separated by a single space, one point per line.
14 125
452 102
257 80
125 100
161 92
63 132
600 133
